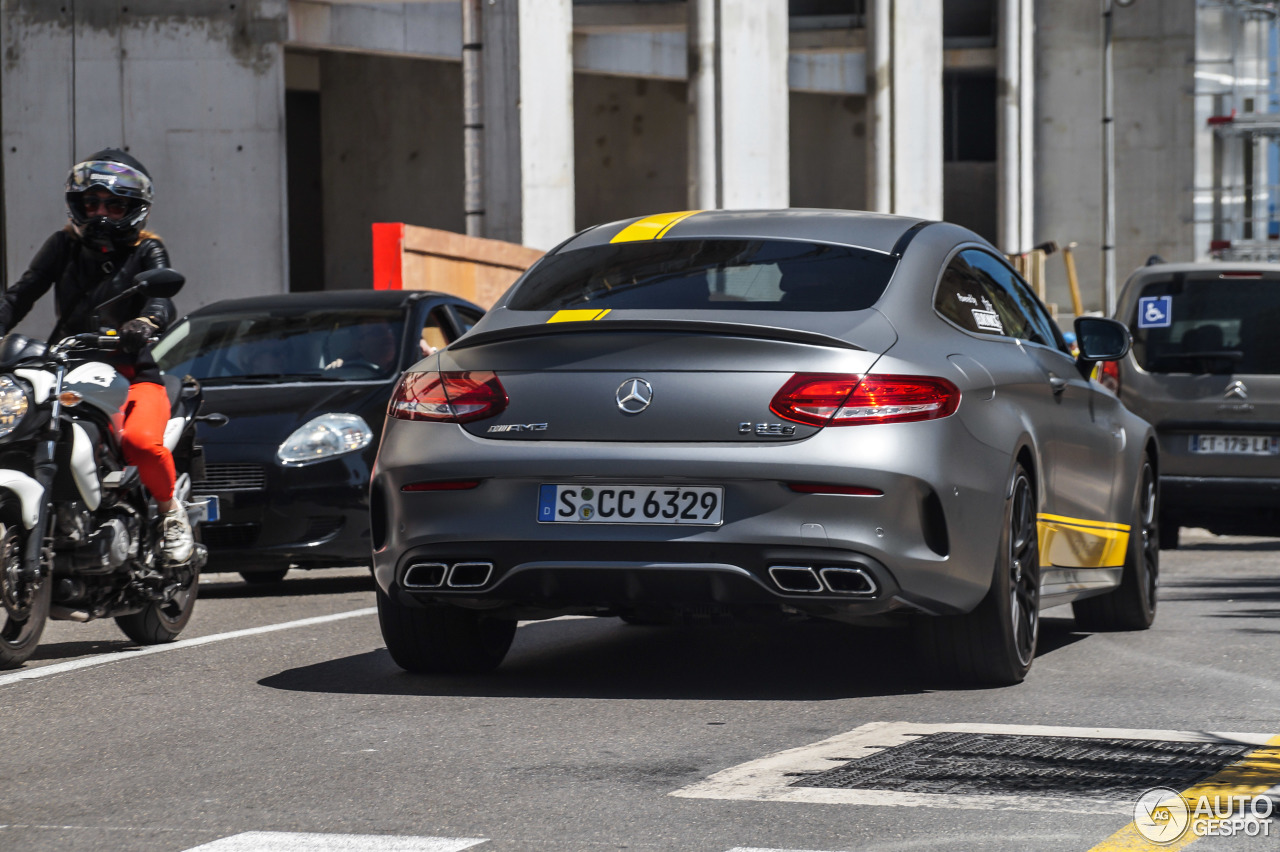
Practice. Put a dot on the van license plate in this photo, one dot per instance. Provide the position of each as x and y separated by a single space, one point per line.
1236 445
630 504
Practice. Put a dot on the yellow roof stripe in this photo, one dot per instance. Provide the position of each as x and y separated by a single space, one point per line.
651 227
578 315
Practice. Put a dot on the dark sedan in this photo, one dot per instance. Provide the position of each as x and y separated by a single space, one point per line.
304 379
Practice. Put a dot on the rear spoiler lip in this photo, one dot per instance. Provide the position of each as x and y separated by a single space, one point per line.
727 329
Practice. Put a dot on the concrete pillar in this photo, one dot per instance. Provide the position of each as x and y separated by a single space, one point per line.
1015 119
904 111
739 153
528 118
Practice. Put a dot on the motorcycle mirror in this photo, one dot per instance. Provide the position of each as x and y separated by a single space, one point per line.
160 282
154 282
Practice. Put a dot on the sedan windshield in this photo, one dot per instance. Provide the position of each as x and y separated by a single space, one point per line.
675 274
276 346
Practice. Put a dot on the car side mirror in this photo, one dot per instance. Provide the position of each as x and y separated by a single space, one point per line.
1102 339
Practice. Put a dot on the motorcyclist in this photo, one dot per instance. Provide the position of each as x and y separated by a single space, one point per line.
94 257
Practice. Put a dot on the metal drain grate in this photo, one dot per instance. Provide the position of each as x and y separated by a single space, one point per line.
1010 764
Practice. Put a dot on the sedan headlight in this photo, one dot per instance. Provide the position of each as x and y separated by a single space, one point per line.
13 405
325 437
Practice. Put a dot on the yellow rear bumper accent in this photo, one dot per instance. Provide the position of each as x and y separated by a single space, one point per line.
1077 543
651 227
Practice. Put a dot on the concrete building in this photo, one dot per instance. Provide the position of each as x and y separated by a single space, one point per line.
278 131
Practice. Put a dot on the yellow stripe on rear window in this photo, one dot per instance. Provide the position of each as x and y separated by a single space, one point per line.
578 315
651 227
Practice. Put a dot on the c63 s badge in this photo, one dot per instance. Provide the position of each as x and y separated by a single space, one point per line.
765 429
519 427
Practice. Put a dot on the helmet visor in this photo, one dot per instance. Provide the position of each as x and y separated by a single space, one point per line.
116 178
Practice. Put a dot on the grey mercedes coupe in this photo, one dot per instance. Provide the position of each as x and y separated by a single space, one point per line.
765 414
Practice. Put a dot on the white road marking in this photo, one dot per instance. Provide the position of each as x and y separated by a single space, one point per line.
769 778
280 841
133 654
757 849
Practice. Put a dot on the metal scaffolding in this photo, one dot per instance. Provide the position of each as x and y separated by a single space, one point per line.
1236 81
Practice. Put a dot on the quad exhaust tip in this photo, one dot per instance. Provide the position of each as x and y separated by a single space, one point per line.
436 575
470 575
425 575
804 579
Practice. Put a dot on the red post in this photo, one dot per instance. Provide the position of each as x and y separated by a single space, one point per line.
388 251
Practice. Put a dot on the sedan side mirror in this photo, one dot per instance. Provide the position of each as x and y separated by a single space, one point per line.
1102 339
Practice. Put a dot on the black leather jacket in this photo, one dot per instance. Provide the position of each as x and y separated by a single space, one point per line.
82 278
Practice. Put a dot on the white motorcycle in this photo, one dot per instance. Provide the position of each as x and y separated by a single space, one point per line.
80 537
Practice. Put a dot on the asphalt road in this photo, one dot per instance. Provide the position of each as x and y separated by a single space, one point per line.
595 735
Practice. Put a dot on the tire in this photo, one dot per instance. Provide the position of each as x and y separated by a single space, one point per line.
24 607
996 643
262 578
1168 533
1132 605
443 639
161 622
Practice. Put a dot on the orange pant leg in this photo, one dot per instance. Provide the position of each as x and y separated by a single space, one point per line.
145 416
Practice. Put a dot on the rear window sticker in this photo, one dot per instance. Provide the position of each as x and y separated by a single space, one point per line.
987 320
969 300
1155 312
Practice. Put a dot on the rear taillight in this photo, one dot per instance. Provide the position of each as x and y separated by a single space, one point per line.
450 397
1109 376
824 399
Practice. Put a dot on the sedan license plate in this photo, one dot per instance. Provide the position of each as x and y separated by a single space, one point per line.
1236 445
630 504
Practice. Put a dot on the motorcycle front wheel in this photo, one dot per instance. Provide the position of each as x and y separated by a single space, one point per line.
25 604
161 621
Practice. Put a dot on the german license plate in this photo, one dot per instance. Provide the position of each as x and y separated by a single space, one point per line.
1236 445
630 504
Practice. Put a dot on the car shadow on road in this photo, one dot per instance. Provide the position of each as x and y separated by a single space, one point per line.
1228 543
607 659
291 586
1245 590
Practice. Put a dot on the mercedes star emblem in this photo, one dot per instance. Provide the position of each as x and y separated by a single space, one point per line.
634 396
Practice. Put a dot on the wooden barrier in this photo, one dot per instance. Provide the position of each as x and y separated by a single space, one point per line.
410 257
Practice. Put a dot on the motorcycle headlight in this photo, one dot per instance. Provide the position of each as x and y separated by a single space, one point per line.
325 437
13 405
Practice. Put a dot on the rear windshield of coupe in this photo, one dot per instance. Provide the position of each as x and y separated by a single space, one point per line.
688 274
1213 326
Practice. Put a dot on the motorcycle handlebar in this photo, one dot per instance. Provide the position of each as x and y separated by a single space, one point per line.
91 339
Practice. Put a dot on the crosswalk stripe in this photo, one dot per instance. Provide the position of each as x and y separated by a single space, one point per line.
280 841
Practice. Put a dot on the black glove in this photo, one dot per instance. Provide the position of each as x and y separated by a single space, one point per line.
136 334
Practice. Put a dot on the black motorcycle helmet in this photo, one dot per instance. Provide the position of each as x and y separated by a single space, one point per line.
126 179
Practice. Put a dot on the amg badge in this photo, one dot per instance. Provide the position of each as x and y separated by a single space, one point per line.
519 427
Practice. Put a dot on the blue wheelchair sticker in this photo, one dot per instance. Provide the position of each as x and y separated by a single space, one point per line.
1155 312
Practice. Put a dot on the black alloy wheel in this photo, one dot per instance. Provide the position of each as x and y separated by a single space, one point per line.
994 644
1024 571
1131 605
